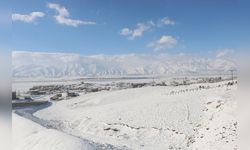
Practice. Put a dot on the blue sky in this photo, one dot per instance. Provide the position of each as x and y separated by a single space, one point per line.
90 27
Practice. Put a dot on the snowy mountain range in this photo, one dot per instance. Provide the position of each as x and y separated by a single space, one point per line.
36 64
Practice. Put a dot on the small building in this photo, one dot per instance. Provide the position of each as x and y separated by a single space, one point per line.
37 92
14 97
72 94
57 97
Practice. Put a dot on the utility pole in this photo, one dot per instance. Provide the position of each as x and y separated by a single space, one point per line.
232 74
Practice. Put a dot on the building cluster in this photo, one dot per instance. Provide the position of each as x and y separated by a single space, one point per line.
68 91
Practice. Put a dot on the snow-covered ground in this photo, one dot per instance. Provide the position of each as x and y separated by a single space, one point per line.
28 135
32 133
166 117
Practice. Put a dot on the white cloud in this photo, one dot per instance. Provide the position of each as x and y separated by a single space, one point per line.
166 21
137 32
165 42
140 28
72 22
62 11
126 32
224 52
27 18
63 14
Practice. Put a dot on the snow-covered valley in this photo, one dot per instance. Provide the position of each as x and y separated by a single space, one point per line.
196 116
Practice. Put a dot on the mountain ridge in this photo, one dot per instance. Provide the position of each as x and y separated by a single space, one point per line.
37 64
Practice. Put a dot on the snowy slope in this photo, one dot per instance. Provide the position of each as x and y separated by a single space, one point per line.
183 117
27 135
35 64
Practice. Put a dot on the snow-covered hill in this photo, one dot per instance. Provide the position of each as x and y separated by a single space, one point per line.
36 64
149 118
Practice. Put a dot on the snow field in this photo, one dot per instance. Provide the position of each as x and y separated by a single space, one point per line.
151 117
